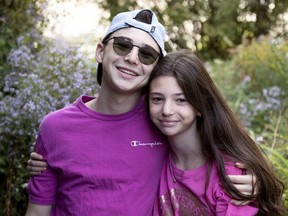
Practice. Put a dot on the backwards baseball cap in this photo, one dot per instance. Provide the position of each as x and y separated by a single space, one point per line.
127 19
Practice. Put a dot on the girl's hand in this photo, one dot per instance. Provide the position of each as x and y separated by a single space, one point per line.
36 165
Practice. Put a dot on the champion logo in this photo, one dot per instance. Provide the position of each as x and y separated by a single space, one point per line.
151 144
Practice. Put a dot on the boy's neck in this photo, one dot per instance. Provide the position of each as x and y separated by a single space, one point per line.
113 104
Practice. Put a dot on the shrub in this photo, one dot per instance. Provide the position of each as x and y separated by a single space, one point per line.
255 82
46 75
264 67
16 18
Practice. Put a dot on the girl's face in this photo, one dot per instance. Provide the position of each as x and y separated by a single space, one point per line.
169 109
126 73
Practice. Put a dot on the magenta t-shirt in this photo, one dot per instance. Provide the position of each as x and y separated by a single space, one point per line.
98 164
194 192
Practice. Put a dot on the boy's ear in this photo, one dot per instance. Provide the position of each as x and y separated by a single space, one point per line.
99 52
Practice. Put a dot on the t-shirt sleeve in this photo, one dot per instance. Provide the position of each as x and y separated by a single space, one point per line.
224 207
42 188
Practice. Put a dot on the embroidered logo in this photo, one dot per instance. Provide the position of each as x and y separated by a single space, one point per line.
135 143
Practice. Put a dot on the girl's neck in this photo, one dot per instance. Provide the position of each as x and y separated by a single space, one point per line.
186 152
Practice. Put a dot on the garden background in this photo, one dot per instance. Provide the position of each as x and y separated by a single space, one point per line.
243 42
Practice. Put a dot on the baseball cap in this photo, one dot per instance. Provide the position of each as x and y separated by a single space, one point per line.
127 19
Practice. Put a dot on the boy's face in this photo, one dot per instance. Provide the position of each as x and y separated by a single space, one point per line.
126 74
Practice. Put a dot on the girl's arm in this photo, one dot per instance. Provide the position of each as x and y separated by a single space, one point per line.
36 165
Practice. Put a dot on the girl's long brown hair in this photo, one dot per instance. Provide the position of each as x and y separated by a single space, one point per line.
220 130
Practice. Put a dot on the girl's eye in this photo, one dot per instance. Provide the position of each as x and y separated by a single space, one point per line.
156 99
181 100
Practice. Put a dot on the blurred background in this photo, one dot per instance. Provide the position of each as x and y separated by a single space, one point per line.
47 61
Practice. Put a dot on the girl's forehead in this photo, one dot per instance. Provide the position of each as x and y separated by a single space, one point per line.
167 83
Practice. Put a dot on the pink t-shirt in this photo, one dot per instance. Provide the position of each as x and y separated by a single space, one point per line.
98 164
193 192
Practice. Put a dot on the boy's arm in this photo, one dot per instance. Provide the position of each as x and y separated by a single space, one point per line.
246 184
38 210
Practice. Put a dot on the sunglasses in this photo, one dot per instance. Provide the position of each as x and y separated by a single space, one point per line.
146 54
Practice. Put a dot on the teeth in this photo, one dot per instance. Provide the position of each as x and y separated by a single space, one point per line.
128 72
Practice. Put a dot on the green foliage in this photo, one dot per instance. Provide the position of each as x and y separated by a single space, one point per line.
278 157
265 58
263 68
256 84
17 17
211 27
265 64
117 6
41 81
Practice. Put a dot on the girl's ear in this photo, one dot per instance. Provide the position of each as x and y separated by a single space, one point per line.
99 52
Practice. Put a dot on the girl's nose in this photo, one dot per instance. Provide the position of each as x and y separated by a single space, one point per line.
167 108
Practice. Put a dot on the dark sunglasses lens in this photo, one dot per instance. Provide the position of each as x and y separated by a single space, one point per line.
147 55
121 46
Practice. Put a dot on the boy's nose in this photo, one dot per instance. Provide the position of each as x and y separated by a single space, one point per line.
132 56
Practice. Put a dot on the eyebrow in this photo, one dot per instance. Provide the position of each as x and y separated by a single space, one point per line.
126 38
177 94
129 39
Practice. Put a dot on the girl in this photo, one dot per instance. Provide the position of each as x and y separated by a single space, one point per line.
206 139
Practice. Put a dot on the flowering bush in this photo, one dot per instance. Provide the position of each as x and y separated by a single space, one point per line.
41 82
255 82
264 67
46 75
17 17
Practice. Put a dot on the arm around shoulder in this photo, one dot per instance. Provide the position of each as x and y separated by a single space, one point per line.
38 210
